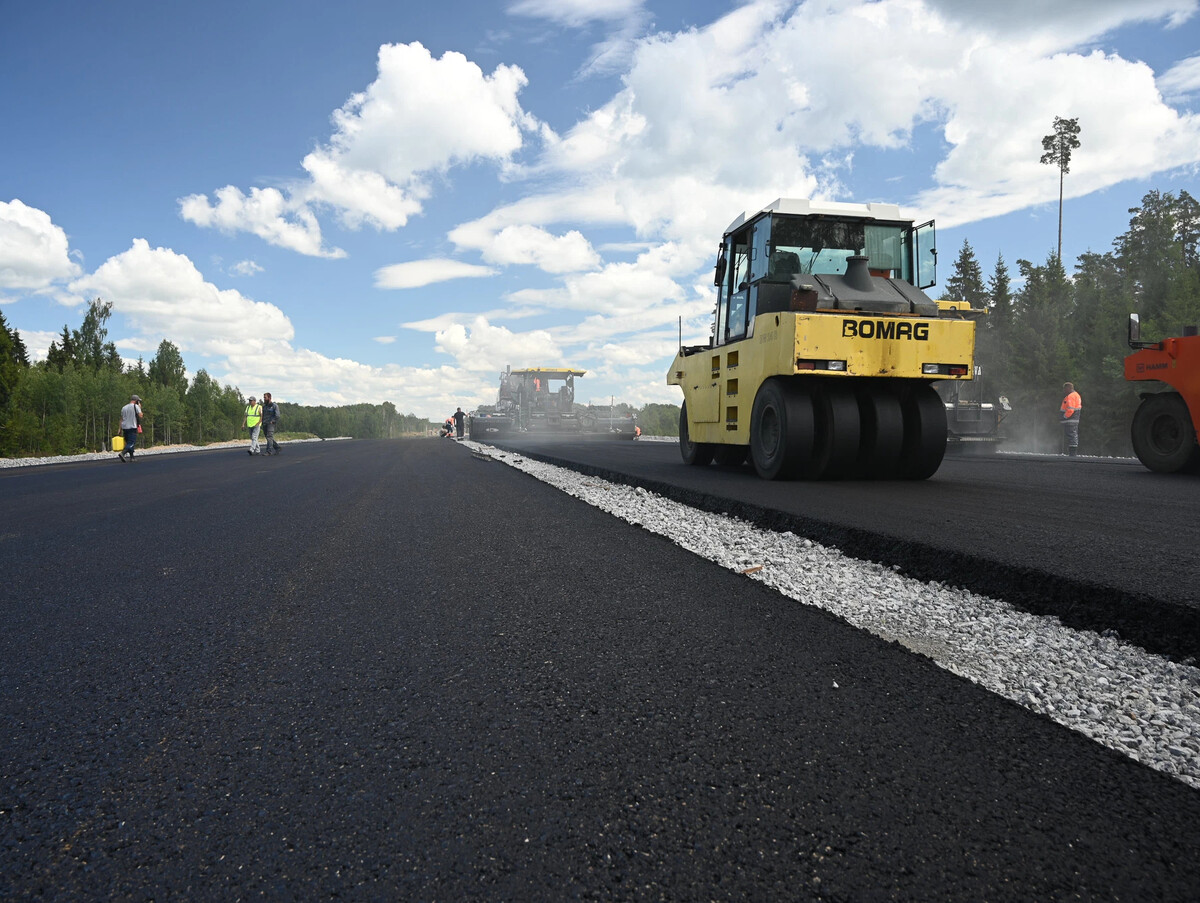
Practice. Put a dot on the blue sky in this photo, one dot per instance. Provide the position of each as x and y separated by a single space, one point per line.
371 201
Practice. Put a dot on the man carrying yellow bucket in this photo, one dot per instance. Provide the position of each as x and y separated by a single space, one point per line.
131 416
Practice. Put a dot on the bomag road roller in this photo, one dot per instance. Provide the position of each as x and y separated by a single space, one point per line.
1166 422
824 347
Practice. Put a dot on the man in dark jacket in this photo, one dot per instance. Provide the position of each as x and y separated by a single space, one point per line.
270 413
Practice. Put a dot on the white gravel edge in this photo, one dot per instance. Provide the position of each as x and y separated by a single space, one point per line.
1120 695
145 452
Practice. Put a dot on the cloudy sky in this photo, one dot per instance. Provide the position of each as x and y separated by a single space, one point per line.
379 200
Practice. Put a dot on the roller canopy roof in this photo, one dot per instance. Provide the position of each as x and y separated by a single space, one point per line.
561 372
805 207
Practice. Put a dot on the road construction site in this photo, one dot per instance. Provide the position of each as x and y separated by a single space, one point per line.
405 669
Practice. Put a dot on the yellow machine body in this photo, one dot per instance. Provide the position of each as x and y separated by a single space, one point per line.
719 384
824 347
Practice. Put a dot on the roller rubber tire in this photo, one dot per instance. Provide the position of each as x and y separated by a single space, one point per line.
839 431
1164 438
924 434
781 431
882 432
695 453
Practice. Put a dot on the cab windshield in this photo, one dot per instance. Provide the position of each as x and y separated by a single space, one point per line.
822 246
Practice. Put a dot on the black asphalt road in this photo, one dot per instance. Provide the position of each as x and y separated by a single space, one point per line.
1104 544
393 671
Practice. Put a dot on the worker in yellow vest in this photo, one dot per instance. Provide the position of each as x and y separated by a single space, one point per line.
253 422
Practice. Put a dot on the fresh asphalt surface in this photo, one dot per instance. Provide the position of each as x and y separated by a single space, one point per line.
1102 543
394 671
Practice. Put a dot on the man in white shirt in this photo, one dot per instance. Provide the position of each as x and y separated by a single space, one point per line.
131 416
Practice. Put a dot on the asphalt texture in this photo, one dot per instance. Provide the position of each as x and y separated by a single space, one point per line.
1101 543
394 671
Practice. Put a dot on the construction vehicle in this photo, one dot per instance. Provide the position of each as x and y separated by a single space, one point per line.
974 421
1166 422
541 400
824 347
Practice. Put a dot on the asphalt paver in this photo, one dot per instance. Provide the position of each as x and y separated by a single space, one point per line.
392 670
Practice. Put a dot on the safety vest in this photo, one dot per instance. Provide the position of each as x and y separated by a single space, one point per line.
253 414
1072 405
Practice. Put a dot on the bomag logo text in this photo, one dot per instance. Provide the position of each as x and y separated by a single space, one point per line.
885 329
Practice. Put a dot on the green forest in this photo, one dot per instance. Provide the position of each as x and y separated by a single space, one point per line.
71 402
1054 328
1042 328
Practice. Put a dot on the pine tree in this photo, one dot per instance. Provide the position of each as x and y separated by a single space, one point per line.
167 368
61 352
1000 298
966 283
13 364
90 348
1058 147
1159 253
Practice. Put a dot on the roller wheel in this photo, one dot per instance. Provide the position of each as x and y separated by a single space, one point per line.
697 453
924 434
731 455
839 431
781 430
1163 435
882 432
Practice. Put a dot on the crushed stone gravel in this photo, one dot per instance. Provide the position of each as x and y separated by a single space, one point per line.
140 453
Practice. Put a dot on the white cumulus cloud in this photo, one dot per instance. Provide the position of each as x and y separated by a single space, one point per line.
1181 80
266 212
420 117
34 252
479 346
162 295
526 244
576 13
416 273
245 268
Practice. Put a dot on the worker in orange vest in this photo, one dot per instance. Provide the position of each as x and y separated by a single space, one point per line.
1072 404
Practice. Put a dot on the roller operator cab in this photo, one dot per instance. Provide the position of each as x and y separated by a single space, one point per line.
824 347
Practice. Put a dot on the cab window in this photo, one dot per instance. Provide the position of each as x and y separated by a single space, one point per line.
731 307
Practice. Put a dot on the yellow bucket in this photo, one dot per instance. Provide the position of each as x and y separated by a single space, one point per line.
118 443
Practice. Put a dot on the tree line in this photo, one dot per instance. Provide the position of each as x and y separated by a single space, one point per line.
71 401
1054 328
1041 330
